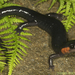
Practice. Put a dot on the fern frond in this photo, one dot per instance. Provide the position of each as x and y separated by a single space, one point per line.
40 2
2 1
22 33
25 29
14 55
9 47
53 2
69 20
8 36
8 4
73 3
18 56
2 64
22 44
2 58
67 10
6 31
61 5
11 66
23 38
15 20
20 47
67 7
17 61
20 52
63 11
13 59
6 25
3 20
10 40
15 44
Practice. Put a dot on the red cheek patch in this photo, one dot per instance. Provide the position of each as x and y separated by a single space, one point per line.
65 50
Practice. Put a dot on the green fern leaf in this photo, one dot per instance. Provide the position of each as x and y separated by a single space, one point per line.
2 58
52 4
9 47
68 22
22 44
2 1
25 29
18 56
10 53
40 2
8 36
13 27
8 4
13 61
20 52
15 20
11 66
73 19
61 5
63 11
68 6
3 20
6 31
17 60
13 43
22 49
6 25
22 33
23 38
10 40
2 64
73 3
73 16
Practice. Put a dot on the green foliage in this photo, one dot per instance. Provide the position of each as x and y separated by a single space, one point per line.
40 2
67 7
2 64
2 1
54 1
12 41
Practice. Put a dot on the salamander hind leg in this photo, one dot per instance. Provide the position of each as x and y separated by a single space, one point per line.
19 29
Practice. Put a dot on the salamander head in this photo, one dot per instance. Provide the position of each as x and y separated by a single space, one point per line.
69 47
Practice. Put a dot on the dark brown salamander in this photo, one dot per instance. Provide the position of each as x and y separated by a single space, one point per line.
49 23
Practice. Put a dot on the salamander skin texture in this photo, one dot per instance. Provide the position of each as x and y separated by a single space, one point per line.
49 23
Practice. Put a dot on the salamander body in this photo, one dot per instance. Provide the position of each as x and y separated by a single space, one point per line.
47 22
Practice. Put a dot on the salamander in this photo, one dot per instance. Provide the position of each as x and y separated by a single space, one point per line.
47 22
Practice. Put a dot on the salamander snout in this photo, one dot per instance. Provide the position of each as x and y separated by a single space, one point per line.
69 47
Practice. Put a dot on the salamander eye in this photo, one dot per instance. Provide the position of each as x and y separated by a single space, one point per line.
72 46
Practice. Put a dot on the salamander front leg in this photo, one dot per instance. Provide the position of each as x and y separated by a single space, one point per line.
53 56
19 29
